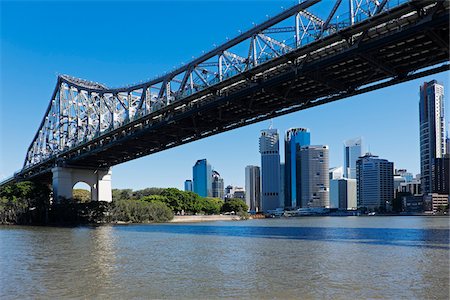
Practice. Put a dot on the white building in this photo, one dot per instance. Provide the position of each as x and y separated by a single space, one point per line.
343 193
336 173
314 176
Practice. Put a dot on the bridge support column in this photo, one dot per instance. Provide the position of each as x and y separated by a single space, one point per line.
64 180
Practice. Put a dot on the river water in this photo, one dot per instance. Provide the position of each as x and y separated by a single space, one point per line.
310 257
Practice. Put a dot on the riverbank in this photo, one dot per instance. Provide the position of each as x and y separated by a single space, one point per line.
204 218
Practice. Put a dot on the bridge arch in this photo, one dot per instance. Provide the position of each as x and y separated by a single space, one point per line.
64 180
82 192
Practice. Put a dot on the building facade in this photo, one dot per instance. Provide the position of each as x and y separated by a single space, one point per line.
188 185
270 169
217 185
343 193
375 182
253 188
441 178
202 178
336 173
352 152
295 138
315 186
432 128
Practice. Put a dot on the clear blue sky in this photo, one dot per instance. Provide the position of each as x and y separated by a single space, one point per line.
118 43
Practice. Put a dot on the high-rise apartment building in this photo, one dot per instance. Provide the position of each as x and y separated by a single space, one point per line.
375 182
441 178
352 152
295 139
253 188
432 123
315 185
188 185
217 185
270 169
202 178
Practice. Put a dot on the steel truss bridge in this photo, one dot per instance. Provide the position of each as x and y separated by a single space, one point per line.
310 54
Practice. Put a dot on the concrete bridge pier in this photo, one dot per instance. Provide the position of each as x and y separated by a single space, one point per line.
64 179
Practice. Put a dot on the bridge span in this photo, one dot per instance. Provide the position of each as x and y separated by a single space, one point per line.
310 54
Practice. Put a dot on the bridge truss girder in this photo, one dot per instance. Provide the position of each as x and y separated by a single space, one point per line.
86 119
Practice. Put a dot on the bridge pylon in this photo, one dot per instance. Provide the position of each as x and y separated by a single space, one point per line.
65 178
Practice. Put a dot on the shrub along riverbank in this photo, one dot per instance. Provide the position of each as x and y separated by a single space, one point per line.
29 203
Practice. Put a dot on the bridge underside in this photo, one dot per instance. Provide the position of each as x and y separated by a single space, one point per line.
356 60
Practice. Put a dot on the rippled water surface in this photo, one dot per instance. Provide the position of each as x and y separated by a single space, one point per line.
326 257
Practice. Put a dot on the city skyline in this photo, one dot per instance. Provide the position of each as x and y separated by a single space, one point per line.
375 116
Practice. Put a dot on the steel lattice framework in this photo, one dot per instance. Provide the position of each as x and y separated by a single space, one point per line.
309 54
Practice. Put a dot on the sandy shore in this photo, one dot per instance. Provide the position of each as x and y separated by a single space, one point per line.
190 219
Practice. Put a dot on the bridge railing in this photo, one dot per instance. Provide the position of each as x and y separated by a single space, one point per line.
80 110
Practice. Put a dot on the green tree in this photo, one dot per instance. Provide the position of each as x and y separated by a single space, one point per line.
236 205
81 195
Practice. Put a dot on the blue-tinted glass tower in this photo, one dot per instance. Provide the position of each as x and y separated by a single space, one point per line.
270 169
202 177
295 139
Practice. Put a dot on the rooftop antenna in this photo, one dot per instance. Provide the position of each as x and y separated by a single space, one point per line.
271 124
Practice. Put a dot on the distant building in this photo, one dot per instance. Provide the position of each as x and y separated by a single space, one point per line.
398 180
343 193
412 187
375 182
229 191
441 178
270 169
352 152
202 175
336 173
239 193
314 176
412 203
432 142
405 174
217 185
295 139
188 185
253 188
282 197
434 201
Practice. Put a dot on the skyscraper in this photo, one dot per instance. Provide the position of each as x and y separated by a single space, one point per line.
315 183
252 188
188 185
202 177
270 169
432 142
375 182
217 185
295 139
352 151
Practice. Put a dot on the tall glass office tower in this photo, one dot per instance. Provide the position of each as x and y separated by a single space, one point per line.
202 177
270 169
295 139
352 152
375 182
432 123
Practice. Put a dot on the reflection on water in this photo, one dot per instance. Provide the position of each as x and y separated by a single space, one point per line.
358 257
